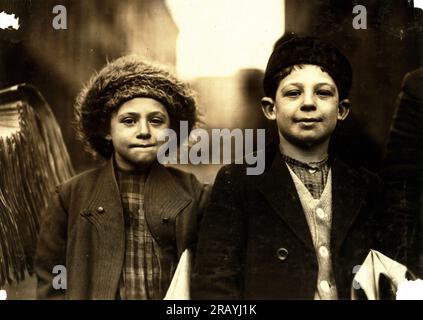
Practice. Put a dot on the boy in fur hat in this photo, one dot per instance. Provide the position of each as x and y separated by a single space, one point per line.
302 228
120 229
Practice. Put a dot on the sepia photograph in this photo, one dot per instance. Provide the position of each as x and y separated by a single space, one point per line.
211 150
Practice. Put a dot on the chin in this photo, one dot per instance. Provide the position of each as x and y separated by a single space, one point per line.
143 161
307 140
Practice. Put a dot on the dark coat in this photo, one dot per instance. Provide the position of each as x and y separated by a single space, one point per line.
83 228
402 172
250 218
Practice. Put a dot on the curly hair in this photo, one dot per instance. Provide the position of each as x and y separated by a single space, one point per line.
119 81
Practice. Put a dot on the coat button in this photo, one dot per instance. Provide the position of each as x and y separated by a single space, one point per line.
100 209
282 254
324 252
321 213
165 220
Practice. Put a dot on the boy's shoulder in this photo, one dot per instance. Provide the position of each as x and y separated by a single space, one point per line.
361 175
90 179
83 181
186 180
237 173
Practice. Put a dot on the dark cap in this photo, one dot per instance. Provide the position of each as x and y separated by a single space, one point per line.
293 50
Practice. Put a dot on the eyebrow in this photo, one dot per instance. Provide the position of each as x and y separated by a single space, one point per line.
137 115
326 84
156 113
299 84
126 114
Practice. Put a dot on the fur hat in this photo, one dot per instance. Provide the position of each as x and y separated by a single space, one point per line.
292 50
121 80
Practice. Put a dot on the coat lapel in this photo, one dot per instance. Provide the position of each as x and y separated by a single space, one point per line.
278 188
348 192
164 200
106 207
106 213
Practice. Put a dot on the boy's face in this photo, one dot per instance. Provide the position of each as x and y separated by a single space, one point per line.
306 107
134 130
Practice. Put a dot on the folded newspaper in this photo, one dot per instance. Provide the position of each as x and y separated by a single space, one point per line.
380 277
179 287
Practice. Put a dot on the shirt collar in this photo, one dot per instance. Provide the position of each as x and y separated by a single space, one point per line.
307 165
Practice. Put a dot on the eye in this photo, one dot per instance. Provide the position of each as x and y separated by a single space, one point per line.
292 93
325 93
128 121
157 121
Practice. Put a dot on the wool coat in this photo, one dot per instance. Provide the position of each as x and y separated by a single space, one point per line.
255 242
83 228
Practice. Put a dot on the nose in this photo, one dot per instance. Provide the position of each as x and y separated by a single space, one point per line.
308 107
143 130
308 102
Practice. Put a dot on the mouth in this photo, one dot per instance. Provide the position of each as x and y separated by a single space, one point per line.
142 145
308 120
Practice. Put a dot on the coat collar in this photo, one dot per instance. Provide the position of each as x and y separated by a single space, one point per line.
347 197
163 195
165 198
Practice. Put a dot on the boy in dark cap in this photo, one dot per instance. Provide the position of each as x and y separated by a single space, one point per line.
120 229
299 230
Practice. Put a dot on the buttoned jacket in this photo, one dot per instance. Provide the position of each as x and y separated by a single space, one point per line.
83 229
255 242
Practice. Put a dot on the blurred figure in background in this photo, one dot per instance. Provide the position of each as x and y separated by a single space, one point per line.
402 173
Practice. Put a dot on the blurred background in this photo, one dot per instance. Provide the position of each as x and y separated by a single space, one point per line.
221 48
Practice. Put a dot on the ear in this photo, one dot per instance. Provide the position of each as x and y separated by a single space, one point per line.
268 107
343 109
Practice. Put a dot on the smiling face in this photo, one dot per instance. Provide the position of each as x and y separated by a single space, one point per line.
306 107
134 131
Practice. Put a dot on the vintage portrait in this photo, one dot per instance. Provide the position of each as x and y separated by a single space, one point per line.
211 150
